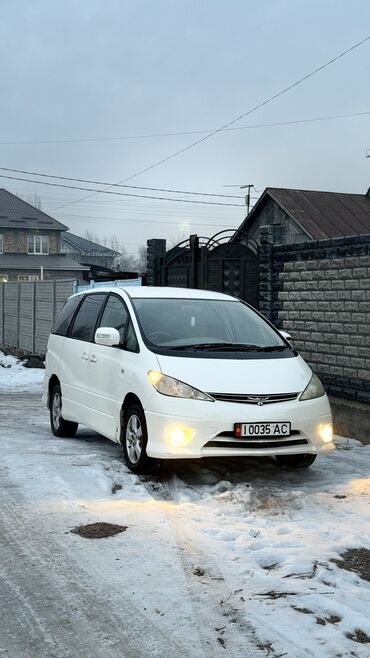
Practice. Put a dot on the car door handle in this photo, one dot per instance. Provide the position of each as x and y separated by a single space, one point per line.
93 358
85 356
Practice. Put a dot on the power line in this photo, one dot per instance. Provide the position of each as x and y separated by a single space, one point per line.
133 187
180 133
238 118
125 194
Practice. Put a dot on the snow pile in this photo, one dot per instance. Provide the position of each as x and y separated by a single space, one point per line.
14 376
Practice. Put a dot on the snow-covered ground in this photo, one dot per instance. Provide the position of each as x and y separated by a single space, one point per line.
15 377
220 557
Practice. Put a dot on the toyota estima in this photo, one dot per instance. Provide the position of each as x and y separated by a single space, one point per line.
176 373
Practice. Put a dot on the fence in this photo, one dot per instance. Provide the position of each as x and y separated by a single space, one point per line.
118 283
28 311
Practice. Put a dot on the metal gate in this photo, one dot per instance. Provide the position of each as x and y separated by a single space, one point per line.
216 263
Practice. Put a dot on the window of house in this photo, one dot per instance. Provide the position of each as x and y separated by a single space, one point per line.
37 244
3 278
28 277
1 244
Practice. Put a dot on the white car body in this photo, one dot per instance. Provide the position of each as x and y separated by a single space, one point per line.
96 379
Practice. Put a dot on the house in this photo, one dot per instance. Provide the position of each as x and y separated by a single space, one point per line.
87 252
30 244
301 215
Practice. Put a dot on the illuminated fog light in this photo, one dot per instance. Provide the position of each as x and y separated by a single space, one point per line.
326 432
178 436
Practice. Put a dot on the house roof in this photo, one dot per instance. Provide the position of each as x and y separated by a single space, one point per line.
16 213
87 246
320 214
33 262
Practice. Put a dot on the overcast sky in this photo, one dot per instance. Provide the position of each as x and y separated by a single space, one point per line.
75 70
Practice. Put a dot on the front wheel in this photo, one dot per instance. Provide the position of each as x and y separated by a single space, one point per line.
296 461
134 441
59 426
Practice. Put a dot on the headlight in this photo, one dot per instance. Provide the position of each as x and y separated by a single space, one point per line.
174 388
314 389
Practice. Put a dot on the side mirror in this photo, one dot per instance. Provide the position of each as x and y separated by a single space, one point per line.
285 335
107 336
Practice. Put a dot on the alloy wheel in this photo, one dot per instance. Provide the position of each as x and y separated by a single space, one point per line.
134 438
56 410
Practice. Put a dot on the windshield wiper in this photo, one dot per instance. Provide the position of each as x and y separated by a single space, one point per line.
235 347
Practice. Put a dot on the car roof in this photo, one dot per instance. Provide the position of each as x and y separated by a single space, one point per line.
158 292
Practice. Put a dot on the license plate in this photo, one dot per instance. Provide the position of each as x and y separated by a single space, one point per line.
261 429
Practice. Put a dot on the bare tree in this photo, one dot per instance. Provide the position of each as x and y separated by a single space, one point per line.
120 261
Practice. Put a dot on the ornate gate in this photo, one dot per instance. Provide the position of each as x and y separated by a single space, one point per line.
217 263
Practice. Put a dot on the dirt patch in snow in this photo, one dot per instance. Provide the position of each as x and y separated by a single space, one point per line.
357 560
98 530
359 636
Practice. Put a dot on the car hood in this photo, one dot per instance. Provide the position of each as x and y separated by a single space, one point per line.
254 376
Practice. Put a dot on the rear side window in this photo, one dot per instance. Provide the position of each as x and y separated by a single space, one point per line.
87 316
65 316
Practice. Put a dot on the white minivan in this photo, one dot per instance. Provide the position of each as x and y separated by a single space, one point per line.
177 373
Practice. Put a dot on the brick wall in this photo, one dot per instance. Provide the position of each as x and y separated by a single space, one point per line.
320 292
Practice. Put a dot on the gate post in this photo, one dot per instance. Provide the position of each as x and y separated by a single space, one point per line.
155 249
194 246
266 271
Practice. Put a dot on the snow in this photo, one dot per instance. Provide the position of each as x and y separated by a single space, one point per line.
235 551
15 377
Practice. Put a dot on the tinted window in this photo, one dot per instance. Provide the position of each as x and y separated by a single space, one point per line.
131 341
65 316
86 318
115 315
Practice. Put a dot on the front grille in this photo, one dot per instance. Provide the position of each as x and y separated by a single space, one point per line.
249 445
242 398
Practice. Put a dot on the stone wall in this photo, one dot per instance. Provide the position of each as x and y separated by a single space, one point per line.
319 291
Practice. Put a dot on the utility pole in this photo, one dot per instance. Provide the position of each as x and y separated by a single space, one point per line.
247 197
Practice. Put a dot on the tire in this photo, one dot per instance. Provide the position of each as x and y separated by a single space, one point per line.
59 426
296 461
134 440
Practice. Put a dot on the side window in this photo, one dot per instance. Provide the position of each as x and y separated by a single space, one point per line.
86 318
131 341
116 315
65 316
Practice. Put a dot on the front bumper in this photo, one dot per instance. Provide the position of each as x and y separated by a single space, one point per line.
210 425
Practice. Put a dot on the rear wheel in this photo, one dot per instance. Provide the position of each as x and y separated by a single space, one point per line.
296 461
134 442
59 426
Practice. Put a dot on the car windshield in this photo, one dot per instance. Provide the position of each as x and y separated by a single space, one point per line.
204 324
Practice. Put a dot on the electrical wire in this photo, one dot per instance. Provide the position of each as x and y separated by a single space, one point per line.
182 132
124 194
238 118
133 187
